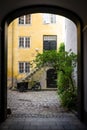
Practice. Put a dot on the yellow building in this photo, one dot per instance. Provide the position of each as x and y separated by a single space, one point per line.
28 35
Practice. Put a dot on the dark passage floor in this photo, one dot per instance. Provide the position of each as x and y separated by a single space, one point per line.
39 110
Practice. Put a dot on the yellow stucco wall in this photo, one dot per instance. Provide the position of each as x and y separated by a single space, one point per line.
35 31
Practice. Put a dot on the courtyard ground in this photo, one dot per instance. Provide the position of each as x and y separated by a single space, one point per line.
39 110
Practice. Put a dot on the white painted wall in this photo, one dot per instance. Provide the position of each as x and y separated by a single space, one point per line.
71 41
70 36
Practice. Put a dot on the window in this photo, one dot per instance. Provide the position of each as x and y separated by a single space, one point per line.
52 18
24 67
49 18
21 20
24 42
26 19
50 42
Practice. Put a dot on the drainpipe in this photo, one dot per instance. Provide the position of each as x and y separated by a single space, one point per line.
12 53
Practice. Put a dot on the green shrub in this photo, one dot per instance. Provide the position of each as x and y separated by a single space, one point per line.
67 95
69 99
62 82
63 63
66 88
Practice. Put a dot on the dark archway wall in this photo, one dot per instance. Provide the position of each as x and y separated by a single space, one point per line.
75 10
79 7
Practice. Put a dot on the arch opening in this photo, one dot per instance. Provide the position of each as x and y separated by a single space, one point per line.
63 12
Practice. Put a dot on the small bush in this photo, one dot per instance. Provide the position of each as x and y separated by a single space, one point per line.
62 82
66 87
69 99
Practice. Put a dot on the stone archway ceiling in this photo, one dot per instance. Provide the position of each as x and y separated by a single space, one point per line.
77 6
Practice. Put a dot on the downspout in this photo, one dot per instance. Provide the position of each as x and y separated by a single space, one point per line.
12 53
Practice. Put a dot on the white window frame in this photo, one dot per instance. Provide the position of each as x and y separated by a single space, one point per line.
50 37
22 71
52 18
24 44
49 18
24 20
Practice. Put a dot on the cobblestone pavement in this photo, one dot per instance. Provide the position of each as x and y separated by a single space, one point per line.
34 104
39 110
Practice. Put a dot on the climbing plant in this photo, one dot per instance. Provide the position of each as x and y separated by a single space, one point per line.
67 89
64 63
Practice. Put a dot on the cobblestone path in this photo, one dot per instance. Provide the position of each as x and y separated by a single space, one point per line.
39 111
34 104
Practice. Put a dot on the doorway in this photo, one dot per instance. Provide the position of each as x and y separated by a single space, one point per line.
51 78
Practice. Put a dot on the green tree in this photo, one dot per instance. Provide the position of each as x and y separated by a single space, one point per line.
66 87
64 63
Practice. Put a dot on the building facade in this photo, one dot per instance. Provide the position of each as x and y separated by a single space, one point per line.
28 35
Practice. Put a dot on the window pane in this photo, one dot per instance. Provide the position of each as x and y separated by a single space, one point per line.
49 18
21 67
46 45
28 19
53 18
53 45
21 20
27 67
24 67
21 42
50 42
27 42
46 18
50 38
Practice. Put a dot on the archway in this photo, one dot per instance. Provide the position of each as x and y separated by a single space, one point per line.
36 9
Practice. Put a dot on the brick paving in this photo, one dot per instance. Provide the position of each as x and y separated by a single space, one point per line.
40 110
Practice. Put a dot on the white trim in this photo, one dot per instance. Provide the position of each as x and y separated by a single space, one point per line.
24 18
47 18
24 67
24 38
